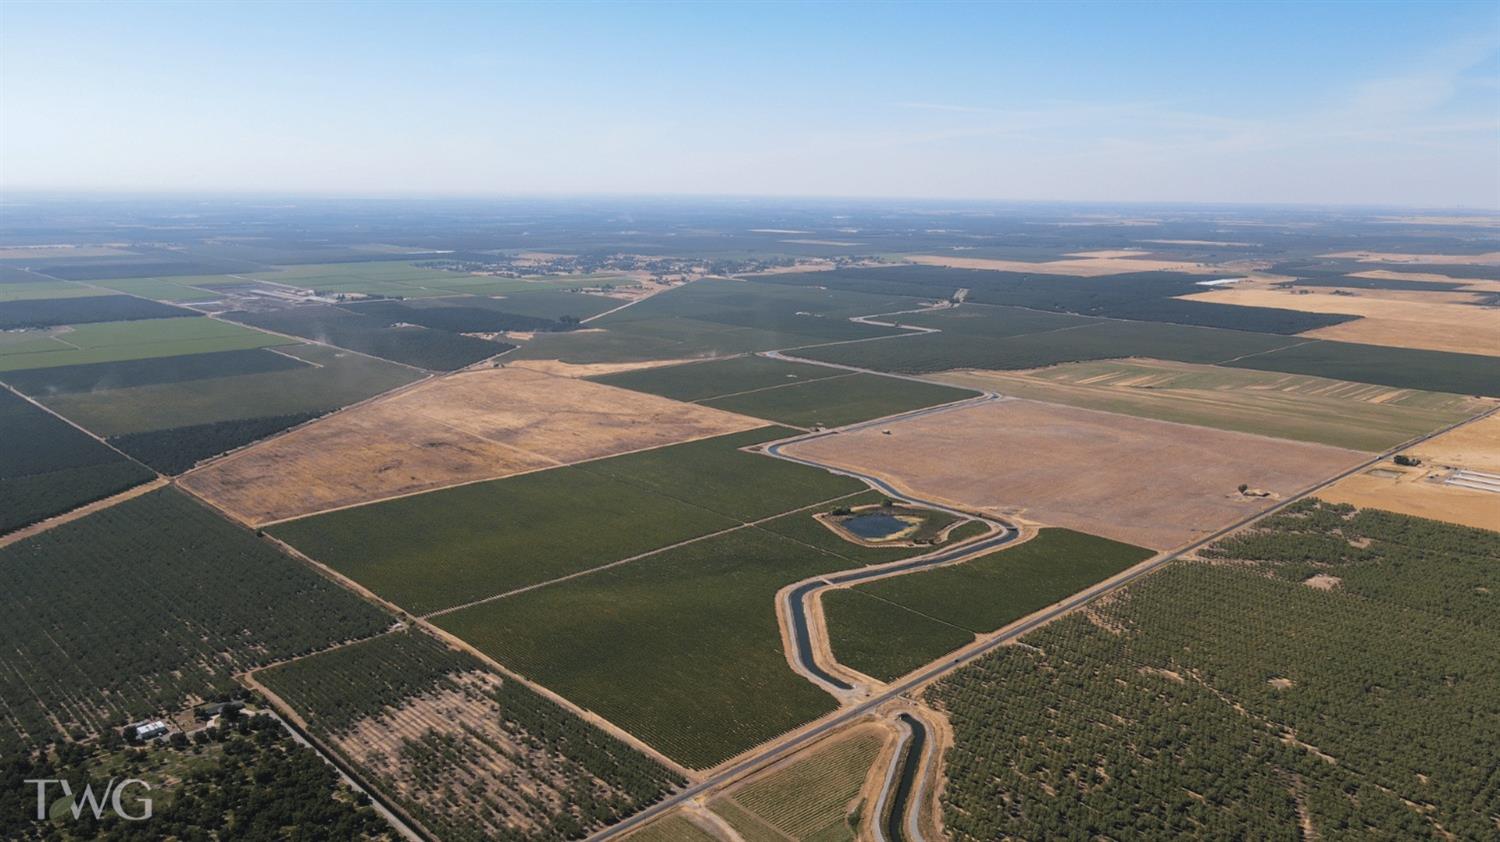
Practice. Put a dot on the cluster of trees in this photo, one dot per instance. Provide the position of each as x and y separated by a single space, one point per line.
1230 698
177 449
50 312
569 777
245 781
142 606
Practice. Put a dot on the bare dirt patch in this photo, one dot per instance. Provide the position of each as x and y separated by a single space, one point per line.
1427 323
1322 582
1170 675
450 752
1085 267
1151 483
1282 683
562 369
471 426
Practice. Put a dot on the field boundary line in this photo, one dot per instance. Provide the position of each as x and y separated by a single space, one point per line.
81 511
772 388
75 425
402 615
1274 350
742 525
287 715
218 317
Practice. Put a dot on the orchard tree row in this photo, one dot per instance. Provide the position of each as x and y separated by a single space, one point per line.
471 754
1330 670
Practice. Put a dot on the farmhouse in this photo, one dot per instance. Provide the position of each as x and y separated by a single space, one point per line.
147 730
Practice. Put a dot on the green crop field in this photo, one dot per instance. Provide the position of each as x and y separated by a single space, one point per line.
333 379
1009 583
1404 368
397 280
717 378
809 798
882 639
122 374
674 828
1299 407
167 289
771 307
712 318
129 340
787 392
1082 339
716 475
837 401
42 289
48 467
1242 697
137 608
681 648
667 339
444 548
974 597
551 304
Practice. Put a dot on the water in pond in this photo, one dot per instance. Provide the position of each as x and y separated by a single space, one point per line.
875 526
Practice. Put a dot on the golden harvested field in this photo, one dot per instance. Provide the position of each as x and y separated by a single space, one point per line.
470 426
1433 324
1489 258
812 796
1474 446
1340 413
562 369
1151 483
1421 490
1082 265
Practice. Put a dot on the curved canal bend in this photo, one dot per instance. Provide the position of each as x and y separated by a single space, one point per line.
796 600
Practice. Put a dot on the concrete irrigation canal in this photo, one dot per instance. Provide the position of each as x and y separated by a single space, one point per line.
900 816
795 598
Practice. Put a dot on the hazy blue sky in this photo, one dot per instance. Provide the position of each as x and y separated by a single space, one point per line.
1248 102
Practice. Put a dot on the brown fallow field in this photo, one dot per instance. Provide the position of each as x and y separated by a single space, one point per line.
1153 483
1489 258
1437 320
1086 264
466 427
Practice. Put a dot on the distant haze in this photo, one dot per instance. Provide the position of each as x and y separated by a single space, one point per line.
1344 103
